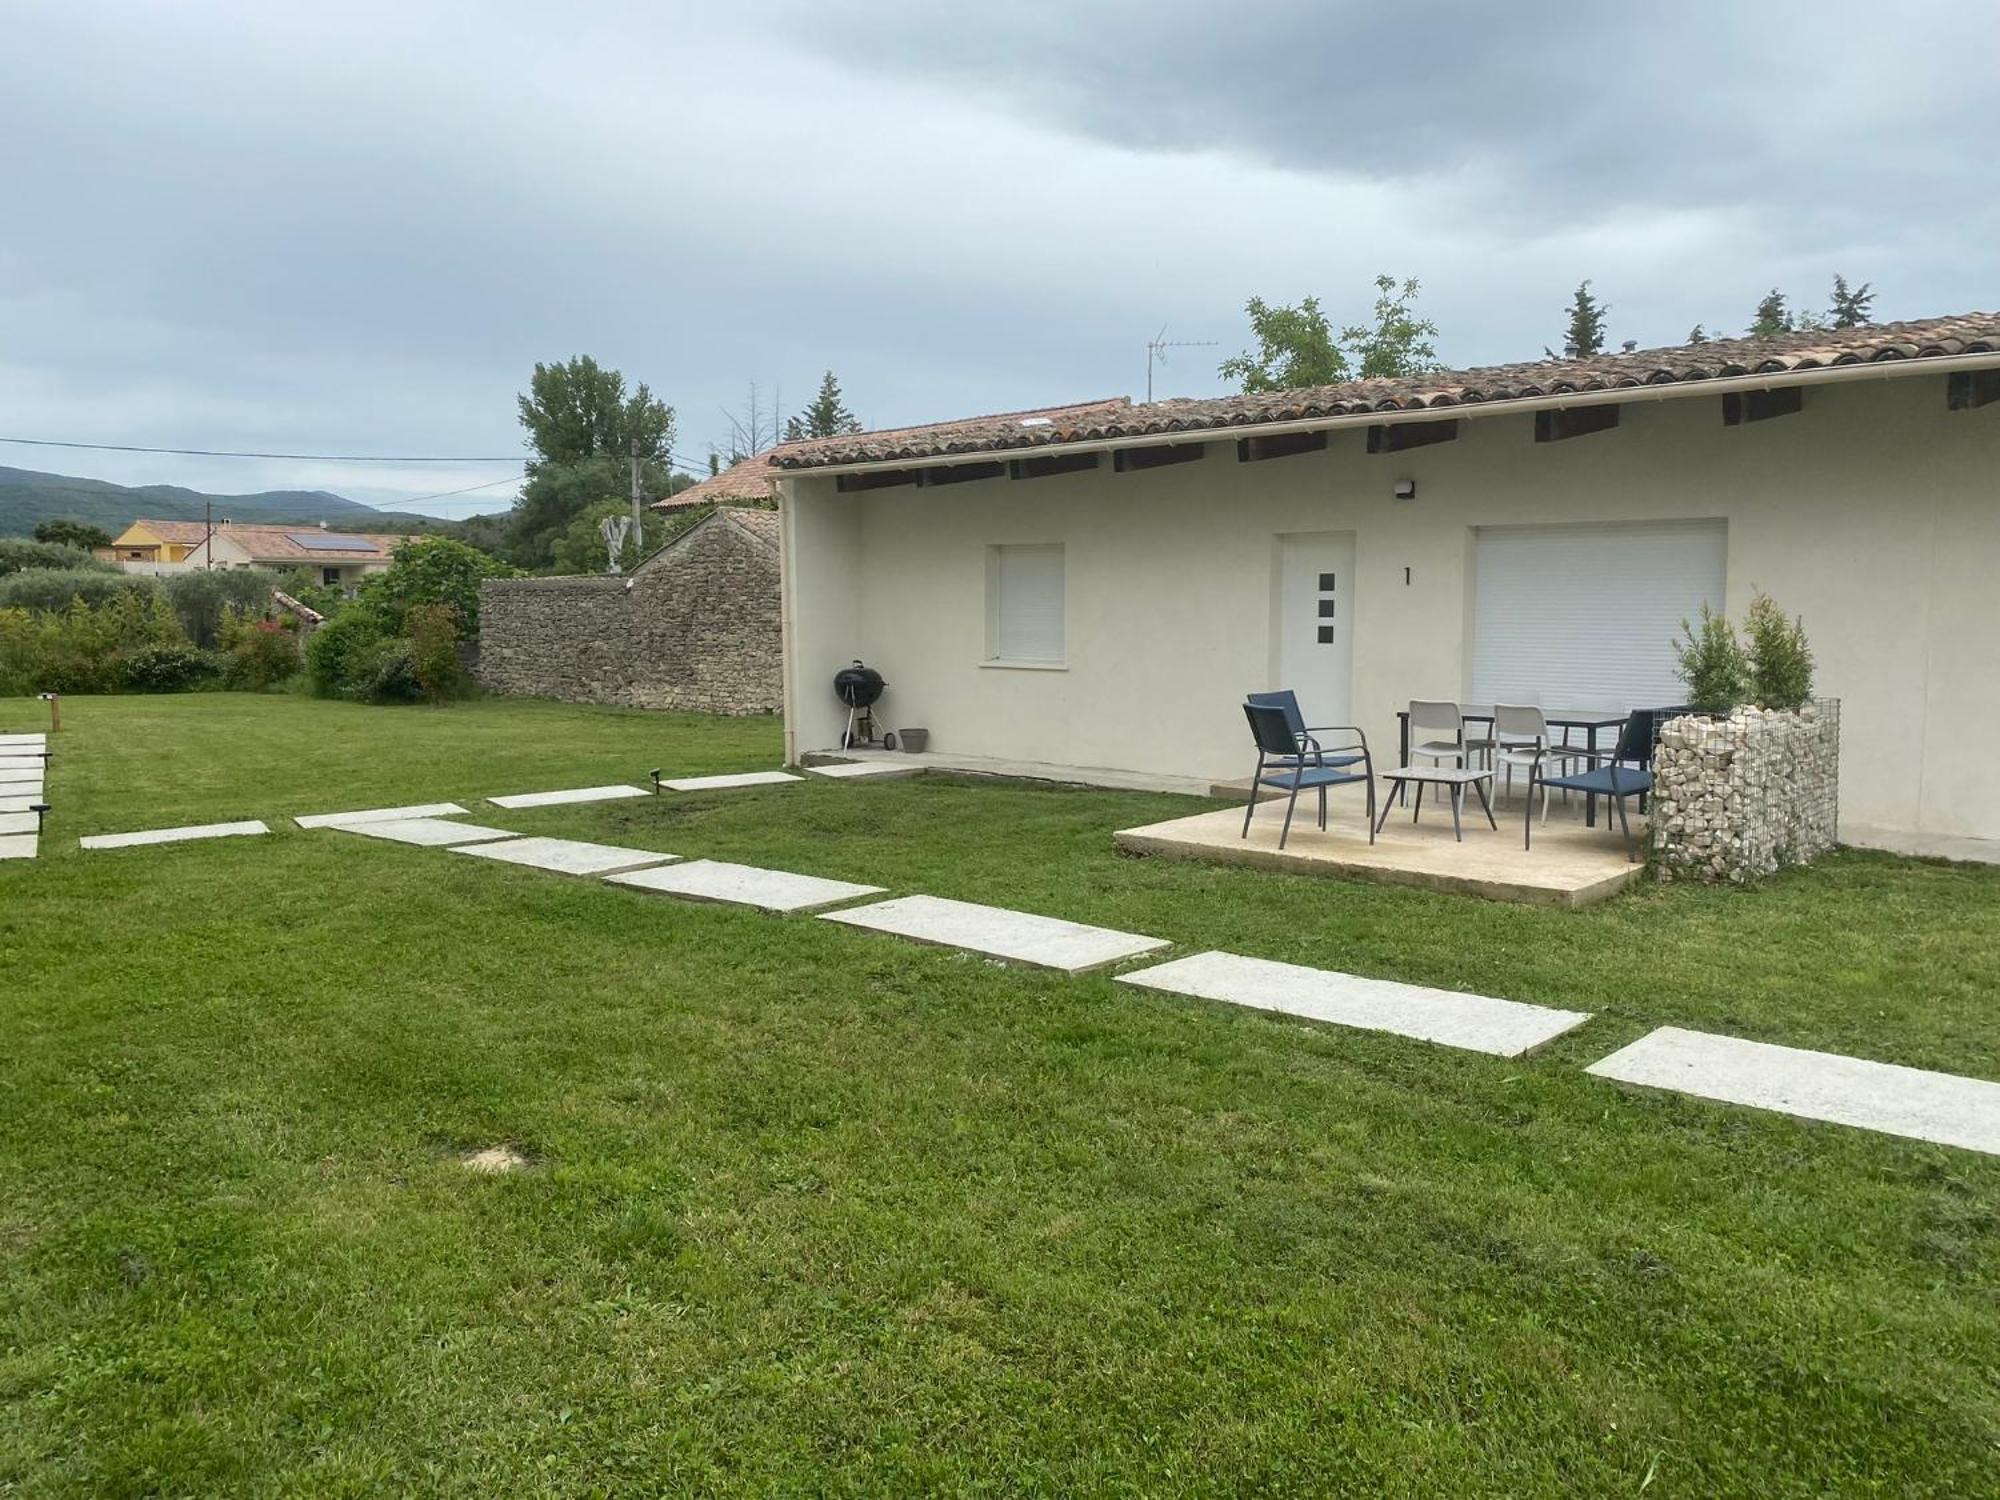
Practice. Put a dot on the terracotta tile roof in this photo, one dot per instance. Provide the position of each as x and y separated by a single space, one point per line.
1931 338
275 544
748 482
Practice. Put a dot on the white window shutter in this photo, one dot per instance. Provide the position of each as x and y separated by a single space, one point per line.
1027 612
1585 616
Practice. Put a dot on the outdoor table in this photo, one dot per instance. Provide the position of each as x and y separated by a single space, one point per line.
1453 777
1590 721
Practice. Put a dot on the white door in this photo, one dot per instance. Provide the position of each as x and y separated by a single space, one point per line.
1315 624
1585 616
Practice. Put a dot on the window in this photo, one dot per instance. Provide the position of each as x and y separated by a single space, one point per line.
1024 605
330 577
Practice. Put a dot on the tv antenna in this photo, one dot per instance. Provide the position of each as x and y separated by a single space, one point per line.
1156 353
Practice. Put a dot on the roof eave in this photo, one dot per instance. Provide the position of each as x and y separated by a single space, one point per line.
1877 369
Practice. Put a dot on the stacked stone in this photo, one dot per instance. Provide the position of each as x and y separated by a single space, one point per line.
1737 799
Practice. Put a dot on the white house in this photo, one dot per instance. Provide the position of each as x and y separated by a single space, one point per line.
1098 586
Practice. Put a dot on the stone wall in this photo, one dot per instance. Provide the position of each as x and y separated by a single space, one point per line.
695 627
1736 799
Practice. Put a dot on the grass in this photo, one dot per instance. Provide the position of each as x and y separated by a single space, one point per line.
815 1212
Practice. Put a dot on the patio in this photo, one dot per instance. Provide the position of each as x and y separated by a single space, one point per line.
1570 865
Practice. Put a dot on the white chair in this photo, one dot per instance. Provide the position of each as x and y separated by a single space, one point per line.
1521 736
1437 733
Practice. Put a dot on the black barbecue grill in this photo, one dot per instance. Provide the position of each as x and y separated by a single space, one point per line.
858 687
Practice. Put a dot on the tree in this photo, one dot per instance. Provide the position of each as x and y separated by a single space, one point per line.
1585 335
581 549
1295 347
828 415
435 570
1773 317
79 534
1398 342
1849 307
1697 335
583 427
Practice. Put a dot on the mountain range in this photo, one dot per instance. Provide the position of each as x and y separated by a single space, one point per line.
28 497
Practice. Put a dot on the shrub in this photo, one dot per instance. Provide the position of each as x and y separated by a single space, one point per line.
262 653
385 672
436 570
17 555
1781 662
432 630
51 589
333 649
179 668
202 598
1711 663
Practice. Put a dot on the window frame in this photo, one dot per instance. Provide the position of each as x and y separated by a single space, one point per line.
995 603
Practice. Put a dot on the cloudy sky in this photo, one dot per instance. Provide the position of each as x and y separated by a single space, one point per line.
353 229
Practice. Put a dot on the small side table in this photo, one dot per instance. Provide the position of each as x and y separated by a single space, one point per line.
1451 778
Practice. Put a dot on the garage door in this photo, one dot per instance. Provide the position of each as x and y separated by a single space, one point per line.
1586 616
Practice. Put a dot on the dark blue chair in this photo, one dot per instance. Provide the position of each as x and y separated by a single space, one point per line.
1282 763
1295 720
1624 771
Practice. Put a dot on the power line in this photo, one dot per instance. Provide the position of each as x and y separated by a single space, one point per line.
331 458
447 494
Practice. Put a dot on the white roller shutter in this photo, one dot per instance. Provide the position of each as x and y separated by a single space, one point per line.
1025 604
1586 616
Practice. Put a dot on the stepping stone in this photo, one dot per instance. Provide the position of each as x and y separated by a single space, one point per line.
431 833
12 801
171 835
577 794
1924 1106
21 822
717 783
565 856
746 885
865 770
994 931
1477 1023
35 763
20 783
379 815
13 743
18 846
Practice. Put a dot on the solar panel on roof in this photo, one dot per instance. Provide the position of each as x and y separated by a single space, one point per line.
331 541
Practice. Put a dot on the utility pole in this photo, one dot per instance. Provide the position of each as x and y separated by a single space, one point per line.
208 533
638 527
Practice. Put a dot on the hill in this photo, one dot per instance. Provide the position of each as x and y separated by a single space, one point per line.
28 497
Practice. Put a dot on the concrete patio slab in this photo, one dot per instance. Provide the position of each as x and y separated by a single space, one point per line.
35 763
17 846
172 835
21 783
1924 1106
1569 865
11 803
865 770
379 815
431 833
565 856
996 932
746 885
21 822
1477 1023
8 742
573 794
718 783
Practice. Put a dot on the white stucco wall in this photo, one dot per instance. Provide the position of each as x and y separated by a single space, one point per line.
1875 513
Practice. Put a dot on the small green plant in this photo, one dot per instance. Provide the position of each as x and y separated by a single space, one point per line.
1711 663
262 653
1781 662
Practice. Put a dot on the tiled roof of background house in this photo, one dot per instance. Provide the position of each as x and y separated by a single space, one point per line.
1930 338
938 437
746 482
279 543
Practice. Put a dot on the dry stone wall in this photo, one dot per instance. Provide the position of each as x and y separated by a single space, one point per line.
696 628
1736 799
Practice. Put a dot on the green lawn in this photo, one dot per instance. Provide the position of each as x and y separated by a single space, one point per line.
818 1212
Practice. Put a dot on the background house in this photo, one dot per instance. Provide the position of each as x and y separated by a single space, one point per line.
339 559
1099 587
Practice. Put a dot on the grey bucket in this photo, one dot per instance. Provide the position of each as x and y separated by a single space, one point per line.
913 740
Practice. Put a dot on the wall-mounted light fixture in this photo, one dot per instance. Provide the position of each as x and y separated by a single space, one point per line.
1406 489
